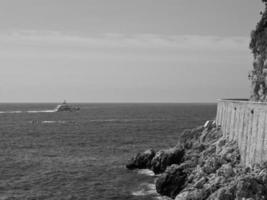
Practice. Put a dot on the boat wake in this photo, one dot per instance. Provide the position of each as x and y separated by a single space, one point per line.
41 111
11 112
53 122
29 111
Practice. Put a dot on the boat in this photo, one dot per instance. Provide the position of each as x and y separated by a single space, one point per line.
65 107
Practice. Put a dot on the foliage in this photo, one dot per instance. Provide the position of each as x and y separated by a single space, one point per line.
258 43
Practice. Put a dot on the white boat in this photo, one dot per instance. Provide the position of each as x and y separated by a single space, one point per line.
66 107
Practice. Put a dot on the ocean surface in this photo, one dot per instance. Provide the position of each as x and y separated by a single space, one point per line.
82 155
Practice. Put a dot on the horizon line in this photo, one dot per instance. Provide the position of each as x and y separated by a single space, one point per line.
107 102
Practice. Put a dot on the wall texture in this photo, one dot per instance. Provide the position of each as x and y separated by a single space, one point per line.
245 122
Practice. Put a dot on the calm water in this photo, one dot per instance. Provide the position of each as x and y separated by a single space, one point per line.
82 155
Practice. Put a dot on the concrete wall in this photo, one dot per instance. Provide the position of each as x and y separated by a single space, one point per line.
245 122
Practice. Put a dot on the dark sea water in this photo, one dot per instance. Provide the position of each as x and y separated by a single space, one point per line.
81 155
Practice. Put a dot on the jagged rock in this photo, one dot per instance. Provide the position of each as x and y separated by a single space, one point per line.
188 166
226 171
206 167
200 183
214 183
210 135
192 157
209 124
208 152
212 164
197 174
262 177
182 196
196 194
141 160
165 158
171 182
219 144
249 187
224 193
230 153
189 137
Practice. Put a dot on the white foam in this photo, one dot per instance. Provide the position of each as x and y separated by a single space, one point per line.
162 198
146 172
145 190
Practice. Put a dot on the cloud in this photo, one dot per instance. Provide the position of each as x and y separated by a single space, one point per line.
32 45
116 66
114 40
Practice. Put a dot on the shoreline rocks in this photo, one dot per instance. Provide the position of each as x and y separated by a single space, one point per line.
203 166
165 158
141 160
171 182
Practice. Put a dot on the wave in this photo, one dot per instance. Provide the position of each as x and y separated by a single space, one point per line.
146 172
128 120
145 190
47 122
162 198
149 189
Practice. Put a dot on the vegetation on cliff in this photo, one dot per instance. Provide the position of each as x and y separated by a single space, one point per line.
258 45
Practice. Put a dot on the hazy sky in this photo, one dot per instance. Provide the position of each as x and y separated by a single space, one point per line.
125 50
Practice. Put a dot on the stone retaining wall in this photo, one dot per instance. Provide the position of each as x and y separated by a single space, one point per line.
245 122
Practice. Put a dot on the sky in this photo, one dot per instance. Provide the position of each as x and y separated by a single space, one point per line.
125 50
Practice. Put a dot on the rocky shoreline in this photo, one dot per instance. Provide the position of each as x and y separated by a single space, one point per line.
203 165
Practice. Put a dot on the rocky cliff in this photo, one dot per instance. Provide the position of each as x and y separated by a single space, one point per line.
203 165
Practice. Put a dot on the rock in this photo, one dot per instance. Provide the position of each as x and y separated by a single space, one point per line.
210 151
210 135
182 196
219 144
214 184
197 174
212 164
230 153
188 166
171 182
224 193
165 158
189 137
141 160
200 183
204 166
209 124
192 157
226 171
196 194
249 187
262 177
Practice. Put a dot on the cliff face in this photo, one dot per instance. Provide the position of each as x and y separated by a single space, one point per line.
258 45
205 165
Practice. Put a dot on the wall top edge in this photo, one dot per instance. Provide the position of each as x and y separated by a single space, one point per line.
243 101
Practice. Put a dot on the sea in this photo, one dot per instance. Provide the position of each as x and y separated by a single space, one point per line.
82 155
